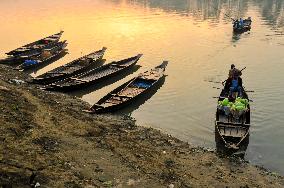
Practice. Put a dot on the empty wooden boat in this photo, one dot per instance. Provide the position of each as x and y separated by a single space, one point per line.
93 76
46 55
75 67
231 125
129 91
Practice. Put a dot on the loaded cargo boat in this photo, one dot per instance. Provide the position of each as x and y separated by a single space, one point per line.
233 118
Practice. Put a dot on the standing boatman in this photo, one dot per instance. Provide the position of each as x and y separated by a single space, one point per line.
234 81
233 73
241 23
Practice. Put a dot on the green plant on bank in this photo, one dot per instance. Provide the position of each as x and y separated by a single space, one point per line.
15 107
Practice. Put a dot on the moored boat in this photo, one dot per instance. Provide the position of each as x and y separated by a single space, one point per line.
34 46
45 56
233 123
129 91
246 26
74 67
93 76
31 50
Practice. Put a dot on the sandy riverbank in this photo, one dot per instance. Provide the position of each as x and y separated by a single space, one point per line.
45 138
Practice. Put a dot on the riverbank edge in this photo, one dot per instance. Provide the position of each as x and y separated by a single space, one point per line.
46 139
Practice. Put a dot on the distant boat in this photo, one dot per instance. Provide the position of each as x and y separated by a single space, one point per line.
93 76
47 55
70 69
232 130
237 28
129 91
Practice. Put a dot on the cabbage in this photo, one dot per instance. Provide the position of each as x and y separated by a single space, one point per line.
239 108
225 102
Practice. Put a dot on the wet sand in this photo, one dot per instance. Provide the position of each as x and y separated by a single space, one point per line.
46 139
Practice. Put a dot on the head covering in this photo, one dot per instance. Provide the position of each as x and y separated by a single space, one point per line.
232 66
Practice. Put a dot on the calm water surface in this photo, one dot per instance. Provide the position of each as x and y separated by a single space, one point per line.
196 38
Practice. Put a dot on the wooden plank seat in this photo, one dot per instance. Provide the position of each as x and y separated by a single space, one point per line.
233 124
232 132
125 96
113 101
120 95
80 80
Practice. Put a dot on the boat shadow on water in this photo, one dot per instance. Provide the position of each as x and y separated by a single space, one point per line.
225 151
52 60
237 36
135 104
80 93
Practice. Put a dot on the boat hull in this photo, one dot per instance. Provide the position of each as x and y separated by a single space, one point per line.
51 77
131 90
246 27
127 103
58 53
36 46
85 84
232 131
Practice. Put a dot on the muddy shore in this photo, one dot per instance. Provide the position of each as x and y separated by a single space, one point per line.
46 140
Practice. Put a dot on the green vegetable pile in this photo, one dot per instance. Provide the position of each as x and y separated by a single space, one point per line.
238 105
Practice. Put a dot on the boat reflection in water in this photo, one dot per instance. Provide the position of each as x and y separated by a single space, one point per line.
223 150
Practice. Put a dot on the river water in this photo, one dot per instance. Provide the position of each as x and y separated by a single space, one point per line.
195 36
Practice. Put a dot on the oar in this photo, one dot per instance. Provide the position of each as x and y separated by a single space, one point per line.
227 79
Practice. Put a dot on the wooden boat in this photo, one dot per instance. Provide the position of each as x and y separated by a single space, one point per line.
129 91
93 76
75 67
46 55
246 26
34 46
233 130
31 50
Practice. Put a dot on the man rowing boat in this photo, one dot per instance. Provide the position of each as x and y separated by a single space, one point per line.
234 72
234 81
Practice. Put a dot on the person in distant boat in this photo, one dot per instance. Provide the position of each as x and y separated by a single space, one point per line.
241 23
236 23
